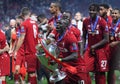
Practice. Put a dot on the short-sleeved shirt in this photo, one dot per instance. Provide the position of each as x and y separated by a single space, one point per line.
18 34
117 33
72 29
2 39
75 31
100 30
54 19
68 43
4 57
30 29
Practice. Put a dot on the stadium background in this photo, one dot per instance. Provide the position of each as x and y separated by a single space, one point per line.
10 8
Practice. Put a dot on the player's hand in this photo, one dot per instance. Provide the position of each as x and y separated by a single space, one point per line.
38 46
15 55
10 53
112 44
92 51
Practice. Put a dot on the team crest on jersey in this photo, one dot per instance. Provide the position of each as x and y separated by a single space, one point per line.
106 28
18 34
74 46
22 29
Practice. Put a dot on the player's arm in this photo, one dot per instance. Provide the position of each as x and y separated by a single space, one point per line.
12 45
73 47
83 43
71 57
114 43
105 36
6 48
20 42
102 42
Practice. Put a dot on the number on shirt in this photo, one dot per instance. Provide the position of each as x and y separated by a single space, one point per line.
35 31
104 64
81 82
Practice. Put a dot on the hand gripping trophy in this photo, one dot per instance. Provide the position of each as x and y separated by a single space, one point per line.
52 51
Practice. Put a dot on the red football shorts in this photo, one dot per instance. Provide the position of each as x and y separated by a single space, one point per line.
102 62
20 59
4 64
98 62
89 60
32 62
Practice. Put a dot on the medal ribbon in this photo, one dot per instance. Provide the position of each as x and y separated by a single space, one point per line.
93 26
58 18
114 28
61 37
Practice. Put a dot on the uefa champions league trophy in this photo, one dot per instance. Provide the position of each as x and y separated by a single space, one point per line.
52 48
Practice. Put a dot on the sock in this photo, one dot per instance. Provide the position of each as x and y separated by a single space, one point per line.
111 77
32 80
100 78
3 82
16 77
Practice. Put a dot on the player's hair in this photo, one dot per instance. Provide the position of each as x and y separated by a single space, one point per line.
19 17
117 9
57 4
67 11
96 6
42 16
25 11
106 6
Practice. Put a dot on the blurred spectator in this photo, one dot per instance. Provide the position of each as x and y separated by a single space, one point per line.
78 21
42 23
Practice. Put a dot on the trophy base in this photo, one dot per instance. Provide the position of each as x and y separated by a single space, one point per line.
60 75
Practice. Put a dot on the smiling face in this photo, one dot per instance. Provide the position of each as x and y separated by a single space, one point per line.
77 16
61 26
67 16
103 11
93 10
115 14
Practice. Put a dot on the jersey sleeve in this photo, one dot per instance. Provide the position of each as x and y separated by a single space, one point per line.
73 45
104 25
23 28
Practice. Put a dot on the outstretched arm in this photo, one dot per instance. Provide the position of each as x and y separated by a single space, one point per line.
71 57
102 42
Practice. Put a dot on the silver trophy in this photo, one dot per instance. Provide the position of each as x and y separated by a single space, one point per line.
52 48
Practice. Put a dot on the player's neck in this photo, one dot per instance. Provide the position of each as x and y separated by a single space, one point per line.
94 18
62 33
27 17
105 16
115 21
57 13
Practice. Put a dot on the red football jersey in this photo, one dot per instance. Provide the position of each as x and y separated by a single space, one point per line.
54 19
109 20
75 31
4 57
67 45
116 37
30 29
100 29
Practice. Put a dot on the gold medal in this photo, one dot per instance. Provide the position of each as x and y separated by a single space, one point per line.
111 38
